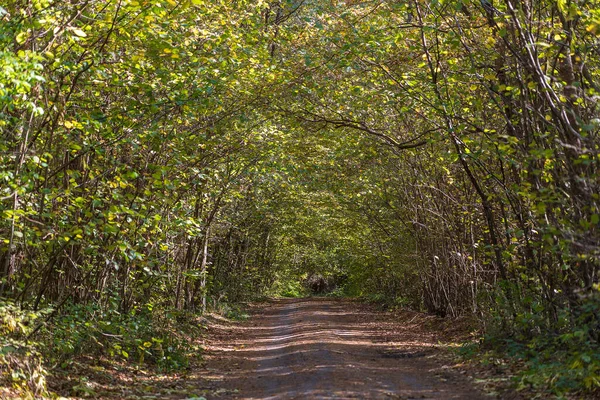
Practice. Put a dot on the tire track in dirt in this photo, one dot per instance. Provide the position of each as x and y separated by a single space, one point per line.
333 349
275 368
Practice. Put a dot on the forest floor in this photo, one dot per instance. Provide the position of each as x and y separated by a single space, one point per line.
315 348
320 348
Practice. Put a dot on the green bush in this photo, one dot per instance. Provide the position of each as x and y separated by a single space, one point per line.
285 286
21 365
144 335
558 356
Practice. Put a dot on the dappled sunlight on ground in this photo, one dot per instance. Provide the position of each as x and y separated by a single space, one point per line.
297 349
330 349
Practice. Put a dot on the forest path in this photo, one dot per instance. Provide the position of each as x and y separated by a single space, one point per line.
319 348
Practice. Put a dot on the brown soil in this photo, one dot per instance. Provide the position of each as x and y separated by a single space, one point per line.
330 349
312 348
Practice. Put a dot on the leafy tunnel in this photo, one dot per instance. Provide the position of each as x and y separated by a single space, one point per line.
179 154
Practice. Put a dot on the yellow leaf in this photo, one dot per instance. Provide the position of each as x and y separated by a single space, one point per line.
21 37
593 27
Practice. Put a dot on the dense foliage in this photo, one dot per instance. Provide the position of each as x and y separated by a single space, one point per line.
162 156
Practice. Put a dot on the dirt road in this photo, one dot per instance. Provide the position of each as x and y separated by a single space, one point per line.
330 349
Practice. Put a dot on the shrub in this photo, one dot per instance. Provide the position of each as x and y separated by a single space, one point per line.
21 365
144 335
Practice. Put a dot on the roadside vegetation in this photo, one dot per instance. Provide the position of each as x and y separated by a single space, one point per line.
161 158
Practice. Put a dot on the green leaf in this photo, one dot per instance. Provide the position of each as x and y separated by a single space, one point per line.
79 32
21 37
541 208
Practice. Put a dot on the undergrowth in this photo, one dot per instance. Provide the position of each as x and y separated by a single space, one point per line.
235 312
287 287
561 359
21 362
161 339
144 335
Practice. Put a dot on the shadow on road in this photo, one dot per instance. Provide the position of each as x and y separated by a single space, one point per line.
333 349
